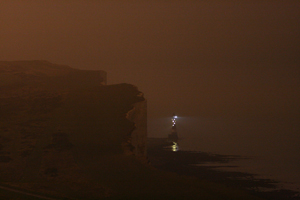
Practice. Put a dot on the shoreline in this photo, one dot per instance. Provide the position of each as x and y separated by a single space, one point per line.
188 163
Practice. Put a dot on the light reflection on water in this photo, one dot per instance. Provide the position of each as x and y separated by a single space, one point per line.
175 146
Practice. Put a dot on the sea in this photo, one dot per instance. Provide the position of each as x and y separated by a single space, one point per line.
271 145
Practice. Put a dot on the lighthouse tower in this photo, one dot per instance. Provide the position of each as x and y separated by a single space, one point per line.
173 136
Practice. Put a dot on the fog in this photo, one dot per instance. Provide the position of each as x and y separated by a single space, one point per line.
199 59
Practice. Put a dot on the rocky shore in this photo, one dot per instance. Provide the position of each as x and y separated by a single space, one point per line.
163 156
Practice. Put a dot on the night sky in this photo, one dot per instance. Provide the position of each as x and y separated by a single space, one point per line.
196 58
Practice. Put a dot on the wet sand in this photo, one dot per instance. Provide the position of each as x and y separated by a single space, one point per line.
162 156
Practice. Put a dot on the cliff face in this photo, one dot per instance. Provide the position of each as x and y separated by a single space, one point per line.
63 126
136 142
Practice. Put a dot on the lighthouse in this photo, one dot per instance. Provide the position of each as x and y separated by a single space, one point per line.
173 136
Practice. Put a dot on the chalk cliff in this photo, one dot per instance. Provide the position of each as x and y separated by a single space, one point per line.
58 123
136 142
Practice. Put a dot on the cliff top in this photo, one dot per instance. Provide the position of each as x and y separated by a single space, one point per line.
33 67
23 77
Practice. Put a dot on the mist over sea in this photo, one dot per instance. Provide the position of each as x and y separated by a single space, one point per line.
270 143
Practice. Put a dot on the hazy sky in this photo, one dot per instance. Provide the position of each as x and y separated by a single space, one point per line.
196 58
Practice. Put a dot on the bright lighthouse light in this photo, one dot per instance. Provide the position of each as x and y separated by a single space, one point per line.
174 120
173 136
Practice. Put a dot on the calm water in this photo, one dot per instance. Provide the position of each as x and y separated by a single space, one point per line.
272 143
